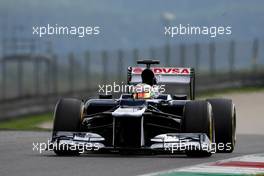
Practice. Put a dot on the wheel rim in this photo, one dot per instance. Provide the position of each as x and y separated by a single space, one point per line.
211 124
233 125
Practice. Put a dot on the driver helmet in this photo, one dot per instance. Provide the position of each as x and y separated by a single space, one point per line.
143 91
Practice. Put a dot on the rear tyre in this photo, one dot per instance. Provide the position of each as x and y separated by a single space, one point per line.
224 113
67 117
198 119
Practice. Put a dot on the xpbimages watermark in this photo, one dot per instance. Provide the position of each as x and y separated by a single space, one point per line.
182 145
211 31
124 88
40 147
79 31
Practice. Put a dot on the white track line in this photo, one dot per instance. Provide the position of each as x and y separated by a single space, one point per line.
210 168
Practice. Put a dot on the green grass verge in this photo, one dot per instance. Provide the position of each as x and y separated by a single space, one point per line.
26 123
201 174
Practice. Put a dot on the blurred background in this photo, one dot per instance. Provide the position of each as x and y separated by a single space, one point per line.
35 72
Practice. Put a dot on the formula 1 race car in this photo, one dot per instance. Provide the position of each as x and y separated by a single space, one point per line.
146 121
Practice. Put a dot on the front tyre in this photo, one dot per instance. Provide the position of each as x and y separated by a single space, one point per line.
198 119
67 117
224 113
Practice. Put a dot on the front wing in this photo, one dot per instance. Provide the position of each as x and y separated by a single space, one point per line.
171 143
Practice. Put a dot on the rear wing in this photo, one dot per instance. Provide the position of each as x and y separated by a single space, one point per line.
165 75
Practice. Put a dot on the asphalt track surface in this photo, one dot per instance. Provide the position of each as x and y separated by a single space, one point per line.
18 158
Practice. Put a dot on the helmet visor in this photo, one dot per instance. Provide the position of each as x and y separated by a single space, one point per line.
142 95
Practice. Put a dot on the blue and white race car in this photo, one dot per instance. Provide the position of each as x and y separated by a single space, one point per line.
147 120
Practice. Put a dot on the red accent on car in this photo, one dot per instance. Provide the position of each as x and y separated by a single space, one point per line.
163 70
